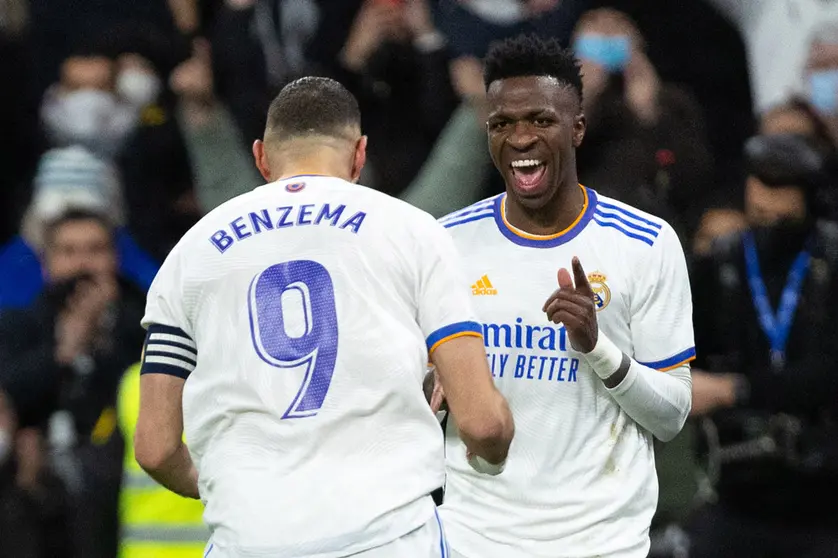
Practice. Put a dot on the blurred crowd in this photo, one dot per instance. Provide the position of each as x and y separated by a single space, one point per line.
123 122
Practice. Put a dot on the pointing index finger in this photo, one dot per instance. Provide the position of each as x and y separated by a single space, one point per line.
581 280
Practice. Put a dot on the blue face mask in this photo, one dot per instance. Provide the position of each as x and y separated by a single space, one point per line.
613 53
823 91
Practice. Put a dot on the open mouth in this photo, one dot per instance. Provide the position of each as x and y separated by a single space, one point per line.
528 174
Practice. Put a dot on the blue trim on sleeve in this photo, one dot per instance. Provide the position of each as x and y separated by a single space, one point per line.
671 361
452 330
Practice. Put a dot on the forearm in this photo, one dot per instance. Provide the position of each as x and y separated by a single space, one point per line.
175 472
659 402
220 164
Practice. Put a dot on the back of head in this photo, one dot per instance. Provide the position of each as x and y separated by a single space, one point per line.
312 107
530 55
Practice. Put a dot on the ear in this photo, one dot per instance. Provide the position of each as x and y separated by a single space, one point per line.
580 125
359 158
261 160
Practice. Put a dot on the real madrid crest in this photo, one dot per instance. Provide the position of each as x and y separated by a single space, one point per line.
602 294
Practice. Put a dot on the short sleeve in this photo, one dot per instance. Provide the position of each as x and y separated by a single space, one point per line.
169 346
661 309
444 303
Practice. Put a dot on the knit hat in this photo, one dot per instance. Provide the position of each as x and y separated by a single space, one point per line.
72 178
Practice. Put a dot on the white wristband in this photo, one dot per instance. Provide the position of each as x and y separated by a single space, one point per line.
605 358
482 466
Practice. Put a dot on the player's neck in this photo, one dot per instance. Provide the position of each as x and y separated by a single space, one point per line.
312 166
557 215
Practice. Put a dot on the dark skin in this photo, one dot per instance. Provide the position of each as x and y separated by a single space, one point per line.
573 306
538 117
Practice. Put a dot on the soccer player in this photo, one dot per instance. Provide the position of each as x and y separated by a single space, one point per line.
588 332
288 336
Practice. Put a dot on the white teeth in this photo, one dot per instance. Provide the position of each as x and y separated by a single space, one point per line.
526 163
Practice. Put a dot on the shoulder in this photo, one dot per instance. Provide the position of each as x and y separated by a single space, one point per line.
630 225
469 216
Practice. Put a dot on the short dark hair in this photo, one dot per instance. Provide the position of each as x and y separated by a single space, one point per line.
530 55
73 215
313 106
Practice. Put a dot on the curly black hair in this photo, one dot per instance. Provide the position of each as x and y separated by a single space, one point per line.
530 55
312 106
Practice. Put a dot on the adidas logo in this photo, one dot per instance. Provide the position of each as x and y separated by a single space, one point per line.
483 287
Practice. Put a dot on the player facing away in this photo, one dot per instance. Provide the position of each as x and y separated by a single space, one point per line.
591 353
288 336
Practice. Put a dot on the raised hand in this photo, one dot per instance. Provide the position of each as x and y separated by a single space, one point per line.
574 307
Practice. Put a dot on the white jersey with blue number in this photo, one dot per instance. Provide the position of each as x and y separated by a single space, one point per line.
580 479
301 315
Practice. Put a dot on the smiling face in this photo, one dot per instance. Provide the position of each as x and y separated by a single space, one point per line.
535 125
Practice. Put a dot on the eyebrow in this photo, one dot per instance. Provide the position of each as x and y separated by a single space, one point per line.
530 113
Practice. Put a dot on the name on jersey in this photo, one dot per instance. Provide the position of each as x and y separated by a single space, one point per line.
257 222
543 363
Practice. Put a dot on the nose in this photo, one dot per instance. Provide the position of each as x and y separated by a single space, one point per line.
522 137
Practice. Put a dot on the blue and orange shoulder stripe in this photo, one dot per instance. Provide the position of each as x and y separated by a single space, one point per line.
672 362
484 209
627 220
453 331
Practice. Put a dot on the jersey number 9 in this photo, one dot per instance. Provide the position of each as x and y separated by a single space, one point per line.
314 343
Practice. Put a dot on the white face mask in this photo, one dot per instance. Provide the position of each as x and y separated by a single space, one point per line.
138 88
87 117
5 446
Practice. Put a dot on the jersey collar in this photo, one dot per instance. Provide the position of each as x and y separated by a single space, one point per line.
545 241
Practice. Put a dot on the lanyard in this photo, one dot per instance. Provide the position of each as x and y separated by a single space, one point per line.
776 326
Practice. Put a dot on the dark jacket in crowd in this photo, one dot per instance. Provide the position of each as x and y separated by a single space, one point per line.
33 523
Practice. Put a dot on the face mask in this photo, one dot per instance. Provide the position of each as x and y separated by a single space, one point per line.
5 446
138 88
611 52
87 117
823 91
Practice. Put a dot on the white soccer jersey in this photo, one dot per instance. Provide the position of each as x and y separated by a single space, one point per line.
580 479
301 315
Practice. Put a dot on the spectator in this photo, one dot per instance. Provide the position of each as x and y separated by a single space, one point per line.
765 376
395 62
63 359
724 216
645 143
